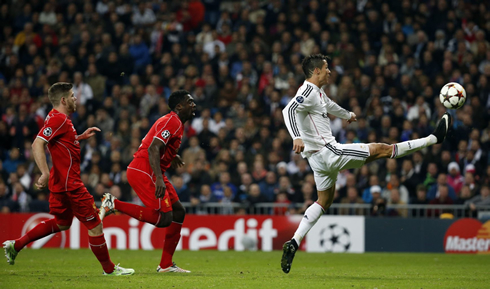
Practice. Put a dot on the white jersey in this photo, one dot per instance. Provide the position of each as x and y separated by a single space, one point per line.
306 117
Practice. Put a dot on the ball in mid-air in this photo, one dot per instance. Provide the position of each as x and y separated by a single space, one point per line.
452 95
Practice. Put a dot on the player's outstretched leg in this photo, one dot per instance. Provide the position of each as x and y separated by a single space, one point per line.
107 206
405 148
288 250
10 252
442 127
120 271
172 269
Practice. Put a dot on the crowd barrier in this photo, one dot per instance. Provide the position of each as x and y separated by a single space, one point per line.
350 234
409 211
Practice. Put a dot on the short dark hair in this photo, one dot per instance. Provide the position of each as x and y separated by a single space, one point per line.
57 91
177 97
311 62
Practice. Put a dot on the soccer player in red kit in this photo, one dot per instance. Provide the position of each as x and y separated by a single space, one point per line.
68 196
146 175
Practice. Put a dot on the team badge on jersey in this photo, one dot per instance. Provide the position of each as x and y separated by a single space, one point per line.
166 134
300 99
47 131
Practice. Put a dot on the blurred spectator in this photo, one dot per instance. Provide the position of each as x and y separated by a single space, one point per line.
395 199
483 199
441 199
351 198
434 191
281 204
420 199
217 188
378 204
455 179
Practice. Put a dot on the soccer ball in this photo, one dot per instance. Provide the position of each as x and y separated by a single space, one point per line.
453 95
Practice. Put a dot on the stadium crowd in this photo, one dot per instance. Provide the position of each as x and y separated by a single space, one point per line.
241 60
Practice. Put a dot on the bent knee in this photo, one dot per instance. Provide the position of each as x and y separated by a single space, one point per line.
165 220
380 150
63 228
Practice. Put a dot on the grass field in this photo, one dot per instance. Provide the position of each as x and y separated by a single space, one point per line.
57 268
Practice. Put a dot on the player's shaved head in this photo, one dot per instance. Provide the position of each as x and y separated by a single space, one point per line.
57 91
177 97
311 62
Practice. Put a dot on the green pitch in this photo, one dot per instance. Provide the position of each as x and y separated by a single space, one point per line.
56 268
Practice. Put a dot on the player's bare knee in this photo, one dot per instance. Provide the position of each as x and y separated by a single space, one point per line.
96 231
380 150
165 220
63 228
178 212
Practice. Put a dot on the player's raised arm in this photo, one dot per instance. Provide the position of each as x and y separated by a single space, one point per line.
338 111
39 153
289 114
154 158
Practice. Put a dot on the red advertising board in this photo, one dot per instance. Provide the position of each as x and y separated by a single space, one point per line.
468 236
200 232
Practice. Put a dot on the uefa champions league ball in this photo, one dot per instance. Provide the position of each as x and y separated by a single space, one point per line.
453 95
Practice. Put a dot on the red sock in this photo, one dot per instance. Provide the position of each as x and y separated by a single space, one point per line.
99 248
43 229
172 237
138 212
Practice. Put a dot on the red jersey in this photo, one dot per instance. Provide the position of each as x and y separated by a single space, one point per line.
168 129
62 139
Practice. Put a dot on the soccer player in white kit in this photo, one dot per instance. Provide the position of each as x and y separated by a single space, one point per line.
308 124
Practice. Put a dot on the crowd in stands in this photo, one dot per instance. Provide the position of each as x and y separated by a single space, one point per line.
241 60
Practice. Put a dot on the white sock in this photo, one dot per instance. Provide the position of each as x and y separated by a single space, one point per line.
405 148
312 214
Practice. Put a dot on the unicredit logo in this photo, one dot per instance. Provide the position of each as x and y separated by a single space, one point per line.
468 236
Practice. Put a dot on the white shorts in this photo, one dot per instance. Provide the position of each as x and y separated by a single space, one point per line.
333 158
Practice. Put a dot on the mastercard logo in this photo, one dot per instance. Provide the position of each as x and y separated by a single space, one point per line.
468 236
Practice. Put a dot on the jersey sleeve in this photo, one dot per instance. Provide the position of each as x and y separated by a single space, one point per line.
166 129
53 127
337 110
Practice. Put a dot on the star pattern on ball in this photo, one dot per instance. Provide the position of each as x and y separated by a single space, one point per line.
460 94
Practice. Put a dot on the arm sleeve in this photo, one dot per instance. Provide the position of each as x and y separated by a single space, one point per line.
165 130
289 114
337 110
53 127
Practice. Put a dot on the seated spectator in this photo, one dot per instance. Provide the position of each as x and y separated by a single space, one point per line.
41 204
254 197
281 204
483 199
217 188
455 179
269 186
7 205
420 199
351 199
226 202
21 197
181 188
394 183
441 199
396 200
366 194
433 192
378 204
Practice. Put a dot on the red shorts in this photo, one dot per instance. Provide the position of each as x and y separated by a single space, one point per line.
142 180
78 203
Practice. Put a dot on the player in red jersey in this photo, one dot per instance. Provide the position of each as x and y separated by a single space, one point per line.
146 175
68 196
